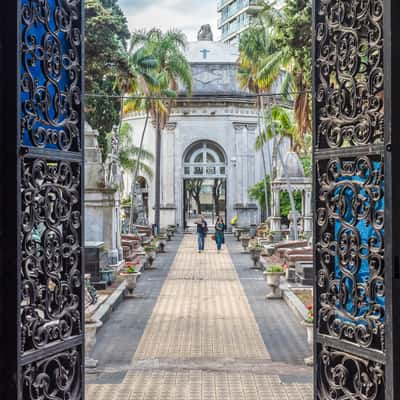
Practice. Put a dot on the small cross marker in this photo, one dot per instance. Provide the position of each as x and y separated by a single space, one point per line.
204 51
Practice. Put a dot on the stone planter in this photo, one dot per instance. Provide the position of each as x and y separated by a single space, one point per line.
149 261
90 341
273 282
130 280
169 236
310 331
255 255
245 243
161 246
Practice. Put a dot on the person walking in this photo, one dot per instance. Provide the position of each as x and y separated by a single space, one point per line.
202 230
219 233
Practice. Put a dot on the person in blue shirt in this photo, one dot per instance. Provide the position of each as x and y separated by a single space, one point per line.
202 230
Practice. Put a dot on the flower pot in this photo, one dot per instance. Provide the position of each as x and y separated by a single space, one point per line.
245 243
310 331
255 256
90 341
273 282
130 280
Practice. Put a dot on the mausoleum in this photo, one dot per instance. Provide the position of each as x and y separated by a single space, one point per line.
208 145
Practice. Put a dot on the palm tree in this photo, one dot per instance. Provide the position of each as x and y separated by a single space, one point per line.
172 68
289 32
128 153
138 79
283 125
253 49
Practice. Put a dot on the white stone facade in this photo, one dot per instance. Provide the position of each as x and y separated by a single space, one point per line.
218 112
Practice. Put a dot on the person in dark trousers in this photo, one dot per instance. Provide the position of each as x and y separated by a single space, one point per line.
202 230
219 233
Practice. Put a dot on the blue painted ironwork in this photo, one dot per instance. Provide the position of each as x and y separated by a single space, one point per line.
51 74
350 290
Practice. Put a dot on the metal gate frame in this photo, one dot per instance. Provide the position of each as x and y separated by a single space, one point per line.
41 188
348 359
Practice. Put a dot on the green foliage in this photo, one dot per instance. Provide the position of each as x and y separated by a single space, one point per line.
106 35
128 153
282 41
257 192
285 202
275 269
307 165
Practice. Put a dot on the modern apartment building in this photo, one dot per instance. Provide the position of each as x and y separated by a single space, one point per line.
235 16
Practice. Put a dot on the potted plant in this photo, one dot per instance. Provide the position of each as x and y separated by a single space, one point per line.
150 254
255 253
160 247
309 324
130 275
273 276
245 242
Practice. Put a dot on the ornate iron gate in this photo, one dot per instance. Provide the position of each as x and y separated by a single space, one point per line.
41 209
356 199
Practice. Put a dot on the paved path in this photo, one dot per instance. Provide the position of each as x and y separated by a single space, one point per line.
201 342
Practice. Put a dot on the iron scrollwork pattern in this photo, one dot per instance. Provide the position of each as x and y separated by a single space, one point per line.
51 74
350 250
343 376
349 72
56 377
51 253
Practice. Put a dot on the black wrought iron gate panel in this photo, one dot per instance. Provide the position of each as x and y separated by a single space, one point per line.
349 161
48 193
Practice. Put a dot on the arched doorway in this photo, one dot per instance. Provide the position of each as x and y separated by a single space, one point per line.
204 182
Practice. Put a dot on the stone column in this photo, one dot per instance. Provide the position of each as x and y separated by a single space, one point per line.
168 201
275 219
251 172
239 130
308 219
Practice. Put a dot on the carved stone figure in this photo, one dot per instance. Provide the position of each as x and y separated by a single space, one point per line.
205 33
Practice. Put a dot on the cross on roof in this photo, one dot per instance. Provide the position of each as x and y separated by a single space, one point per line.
204 51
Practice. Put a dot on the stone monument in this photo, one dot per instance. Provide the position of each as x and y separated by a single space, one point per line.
102 196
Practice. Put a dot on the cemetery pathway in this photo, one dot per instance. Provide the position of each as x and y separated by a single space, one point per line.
202 340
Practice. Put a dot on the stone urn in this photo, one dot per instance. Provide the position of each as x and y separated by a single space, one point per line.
255 254
310 331
91 327
169 235
161 245
130 280
245 243
273 282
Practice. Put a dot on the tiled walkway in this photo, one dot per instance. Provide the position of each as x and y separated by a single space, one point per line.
202 341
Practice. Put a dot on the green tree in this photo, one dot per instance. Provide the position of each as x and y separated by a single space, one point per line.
173 67
253 49
282 125
290 42
106 35
128 153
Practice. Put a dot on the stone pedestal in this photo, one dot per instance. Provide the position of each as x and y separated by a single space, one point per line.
102 198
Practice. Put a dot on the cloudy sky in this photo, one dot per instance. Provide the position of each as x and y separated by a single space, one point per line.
187 15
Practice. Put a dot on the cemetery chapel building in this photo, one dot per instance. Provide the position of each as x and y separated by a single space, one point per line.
208 152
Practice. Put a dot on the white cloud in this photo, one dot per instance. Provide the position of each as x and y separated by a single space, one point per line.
187 15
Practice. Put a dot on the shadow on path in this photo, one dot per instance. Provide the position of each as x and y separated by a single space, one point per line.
281 330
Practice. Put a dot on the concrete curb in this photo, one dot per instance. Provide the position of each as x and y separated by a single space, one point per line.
295 304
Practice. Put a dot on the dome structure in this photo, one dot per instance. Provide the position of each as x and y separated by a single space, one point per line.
293 165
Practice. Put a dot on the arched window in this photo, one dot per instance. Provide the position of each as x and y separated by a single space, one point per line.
204 160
